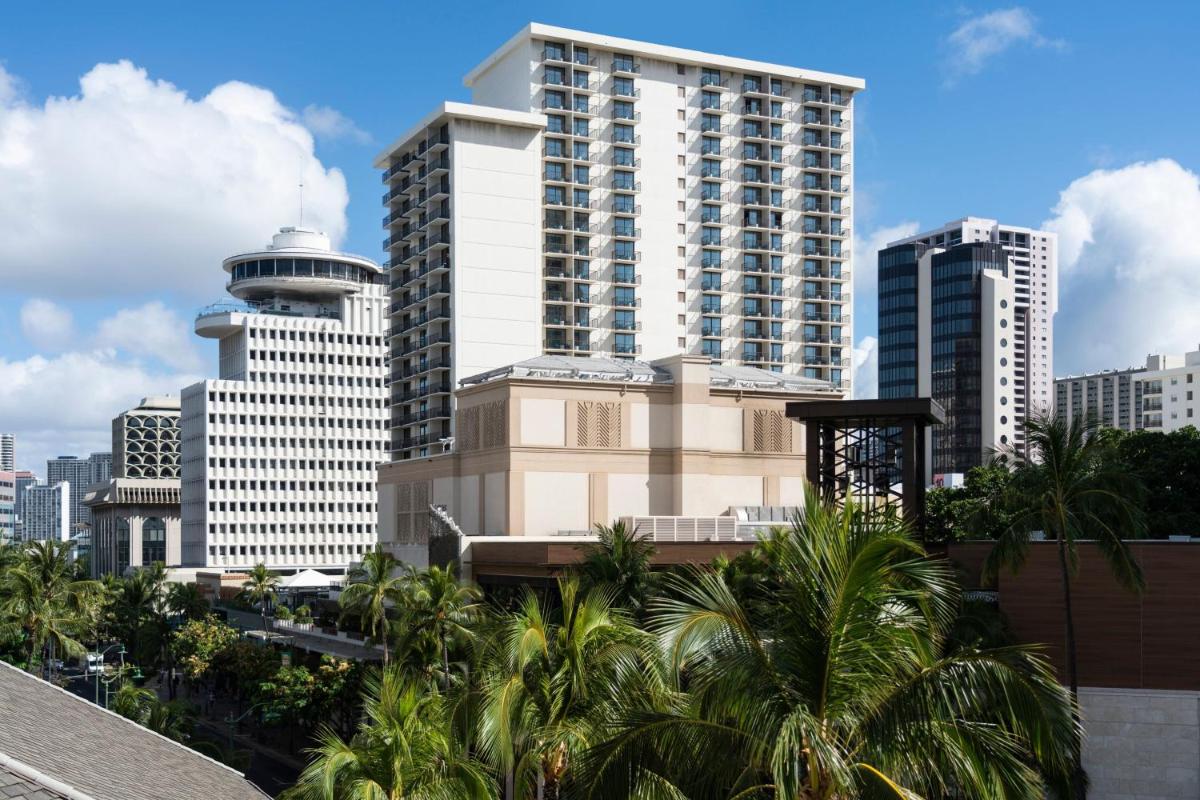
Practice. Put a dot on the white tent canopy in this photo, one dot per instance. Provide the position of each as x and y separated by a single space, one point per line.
307 579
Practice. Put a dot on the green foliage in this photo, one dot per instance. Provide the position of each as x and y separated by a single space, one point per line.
171 719
373 586
406 747
620 562
186 601
1168 467
283 613
198 644
42 602
435 618
839 682
303 615
972 511
260 588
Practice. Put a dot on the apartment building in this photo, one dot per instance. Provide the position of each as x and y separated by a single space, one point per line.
47 513
79 473
966 315
8 452
1170 390
602 196
1113 398
279 453
23 479
8 506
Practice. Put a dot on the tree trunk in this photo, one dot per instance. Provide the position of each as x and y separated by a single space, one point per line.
446 665
1078 779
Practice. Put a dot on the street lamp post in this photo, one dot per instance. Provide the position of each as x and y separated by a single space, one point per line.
100 669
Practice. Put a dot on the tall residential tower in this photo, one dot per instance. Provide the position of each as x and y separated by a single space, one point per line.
966 316
602 196
279 453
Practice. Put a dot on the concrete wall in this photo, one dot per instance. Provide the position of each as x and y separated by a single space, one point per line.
1141 744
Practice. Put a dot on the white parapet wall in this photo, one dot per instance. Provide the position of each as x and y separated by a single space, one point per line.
1142 744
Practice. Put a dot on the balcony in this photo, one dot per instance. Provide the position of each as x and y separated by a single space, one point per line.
618 207
626 278
623 66
627 233
825 316
424 342
826 98
622 138
626 255
627 349
627 302
627 325
437 412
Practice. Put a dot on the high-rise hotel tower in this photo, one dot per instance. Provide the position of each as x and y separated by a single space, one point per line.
279 453
613 197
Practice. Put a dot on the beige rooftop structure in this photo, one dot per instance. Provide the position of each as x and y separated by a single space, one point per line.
553 445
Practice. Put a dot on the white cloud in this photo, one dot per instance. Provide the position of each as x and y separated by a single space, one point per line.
9 88
866 368
330 124
982 38
47 325
64 405
1130 265
151 330
866 248
132 186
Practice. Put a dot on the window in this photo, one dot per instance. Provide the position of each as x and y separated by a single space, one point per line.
623 63
624 320
555 99
581 55
555 195
555 123
623 180
710 191
710 77
580 151
555 172
710 213
710 237
622 226
710 259
623 87
710 99
556 76
710 123
623 133
555 51
154 541
710 146
624 296
711 347
710 304
581 173
555 148
623 251
710 281
623 109
624 343
624 273
580 127
623 157
710 326
710 168
624 204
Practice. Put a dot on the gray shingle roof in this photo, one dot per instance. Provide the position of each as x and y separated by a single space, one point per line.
16 787
99 754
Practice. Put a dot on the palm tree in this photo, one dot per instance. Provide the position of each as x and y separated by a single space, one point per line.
41 600
373 585
406 748
438 609
833 680
185 600
170 719
620 560
260 588
1068 490
548 678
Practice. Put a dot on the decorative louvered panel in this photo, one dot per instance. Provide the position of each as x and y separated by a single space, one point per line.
598 424
495 424
771 432
467 429
686 529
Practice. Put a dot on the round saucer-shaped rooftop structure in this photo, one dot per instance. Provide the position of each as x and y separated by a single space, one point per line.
298 263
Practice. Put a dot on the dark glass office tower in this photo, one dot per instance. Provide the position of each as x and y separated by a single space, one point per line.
956 351
955 340
898 320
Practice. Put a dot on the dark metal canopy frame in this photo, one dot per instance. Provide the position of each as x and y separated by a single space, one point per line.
869 451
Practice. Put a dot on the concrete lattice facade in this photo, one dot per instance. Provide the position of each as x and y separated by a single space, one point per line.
641 201
279 453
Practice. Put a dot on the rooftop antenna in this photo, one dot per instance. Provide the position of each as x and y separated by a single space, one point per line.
301 200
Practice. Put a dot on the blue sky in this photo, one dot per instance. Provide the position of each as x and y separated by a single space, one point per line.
991 109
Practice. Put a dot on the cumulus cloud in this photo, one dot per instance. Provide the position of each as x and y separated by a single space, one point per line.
330 124
1128 257
64 405
132 186
151 330
980 39
866 368
47 325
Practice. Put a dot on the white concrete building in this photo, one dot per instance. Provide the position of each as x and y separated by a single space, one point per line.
8 452
80 473
1170 390
8 506
1020 376
618 198
47 513
279 453
1111 397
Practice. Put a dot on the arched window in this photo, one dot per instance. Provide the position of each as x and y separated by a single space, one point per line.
122 546
154 541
